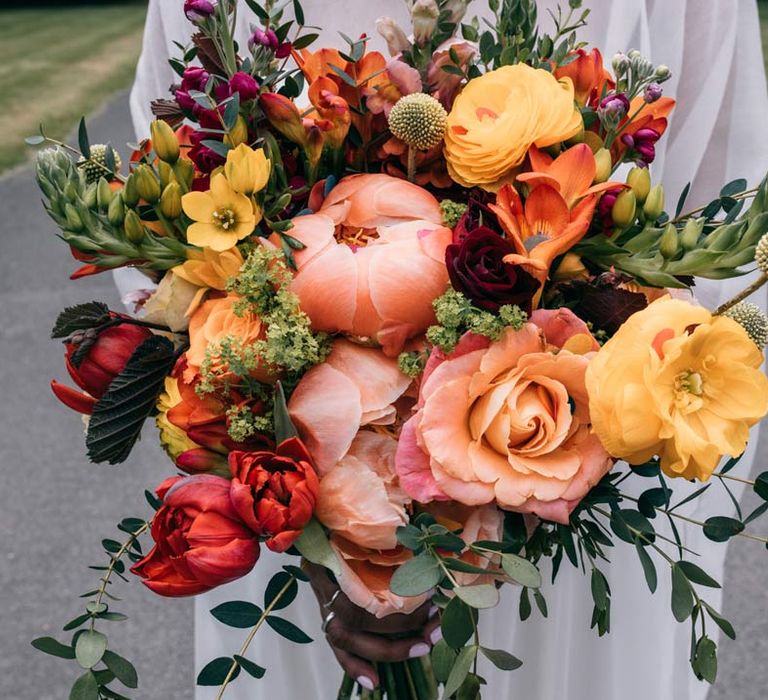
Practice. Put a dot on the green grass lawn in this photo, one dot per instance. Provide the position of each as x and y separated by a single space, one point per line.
58 63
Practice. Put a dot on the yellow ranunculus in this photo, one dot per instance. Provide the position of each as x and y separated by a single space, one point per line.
247 170
678 383
498 116
222 216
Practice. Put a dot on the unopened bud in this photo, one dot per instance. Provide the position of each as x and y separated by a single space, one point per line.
90 196
654 203
116 211
147 184
165 172
669 244
663 73
130 193
620 63
170 201
74 222
639 179
184 171
164 141
104 194
625 209
134 229
237 134
603 165
692 233
424 15
397 41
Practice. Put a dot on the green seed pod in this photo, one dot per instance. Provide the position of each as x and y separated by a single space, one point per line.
130 193
104 194
624 209
147 184
116 211
74 222
170 202
691 233
654 203
639 179
134 229
669 244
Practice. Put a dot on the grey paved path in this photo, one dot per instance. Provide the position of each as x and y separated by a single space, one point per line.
55 508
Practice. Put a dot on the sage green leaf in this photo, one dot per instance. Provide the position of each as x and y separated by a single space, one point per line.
443 658
459 671
501 659
123 669
521 570
90 648
49 645
457 623
85 688
314 547
682 596
417 576
482 596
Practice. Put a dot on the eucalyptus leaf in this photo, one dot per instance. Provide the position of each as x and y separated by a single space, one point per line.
443 658
761 486
82 139
649 568
123 669
501 659
459 671
682 595
696 574
720 621
705 659
85 688
416 576
457 623
90 648
314 546
275 585
720 528
521 570
49 645
480 597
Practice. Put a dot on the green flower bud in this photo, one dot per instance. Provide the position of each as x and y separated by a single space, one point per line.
104 194
185 172
70 192
654 203
692 233
603 165
669 244
134 229
74 222
170 201
130 193
164 141
90 197
166 174
116 211
639 179
147 184
624 210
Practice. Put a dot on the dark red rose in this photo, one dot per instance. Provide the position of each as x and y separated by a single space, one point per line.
245 85
107 356
200 541
477 269
275 492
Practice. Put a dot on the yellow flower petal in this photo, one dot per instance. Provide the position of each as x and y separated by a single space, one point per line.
198 206
211 236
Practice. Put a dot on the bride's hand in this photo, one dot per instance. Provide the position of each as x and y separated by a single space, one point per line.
358 638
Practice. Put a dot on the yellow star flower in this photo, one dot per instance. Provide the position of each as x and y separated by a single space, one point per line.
247 170
222 216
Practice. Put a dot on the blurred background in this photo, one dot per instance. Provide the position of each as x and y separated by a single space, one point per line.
59 61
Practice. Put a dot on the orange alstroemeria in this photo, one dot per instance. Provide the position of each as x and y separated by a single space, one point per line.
332 109
544 227
571 173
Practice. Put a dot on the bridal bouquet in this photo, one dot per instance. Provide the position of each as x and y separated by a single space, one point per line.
419 320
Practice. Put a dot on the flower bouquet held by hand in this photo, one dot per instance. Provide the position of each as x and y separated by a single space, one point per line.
403 319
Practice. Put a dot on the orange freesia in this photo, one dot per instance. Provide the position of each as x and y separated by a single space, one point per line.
374 260
588 74
571 173
544 227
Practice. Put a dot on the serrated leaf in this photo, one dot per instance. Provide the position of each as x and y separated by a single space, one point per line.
284 427
501 659
287 629
237 613
275 585
51 646
682 596
123 669
521 570
649 568
457 623
416 576
80 317
249 667
82 139
696 574
85 688
120 413
90 648
216 671
480 597
314 546
459 671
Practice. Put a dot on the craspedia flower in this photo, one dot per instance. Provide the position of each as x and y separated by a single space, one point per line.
96 166
752 319
419 120
761 254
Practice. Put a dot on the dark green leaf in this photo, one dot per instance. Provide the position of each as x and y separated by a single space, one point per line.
284 427
730 464
416 576
682 596
112 616
275 585
348 79
457 623
566 538
120 413
453 70
314 546
111 694
79 620
153 500
111 546
288 630
109 158
48 645
82 139
85 688
525 604
720 528
733 187
443 659
89 648
464 567
470 688
249 667
460 670
237 613
541 602
260 12
481 596
521 570
696 574
409 536
219 147
761 486
756 513
303 41
216 671
649 568
705 659
720 621
122 668
599 590
501 659
80 318
297 572
681 201
298 12
691 496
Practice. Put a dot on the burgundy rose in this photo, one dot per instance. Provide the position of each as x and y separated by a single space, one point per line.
245 85
477 269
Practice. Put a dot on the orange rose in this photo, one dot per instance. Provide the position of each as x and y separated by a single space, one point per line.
507 422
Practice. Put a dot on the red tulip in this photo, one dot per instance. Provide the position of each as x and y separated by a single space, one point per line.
200 540
105 359
275 492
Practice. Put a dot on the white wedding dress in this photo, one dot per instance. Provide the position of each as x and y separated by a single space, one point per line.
713 50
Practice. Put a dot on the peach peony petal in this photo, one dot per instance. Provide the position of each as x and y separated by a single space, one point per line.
413 468
559 325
